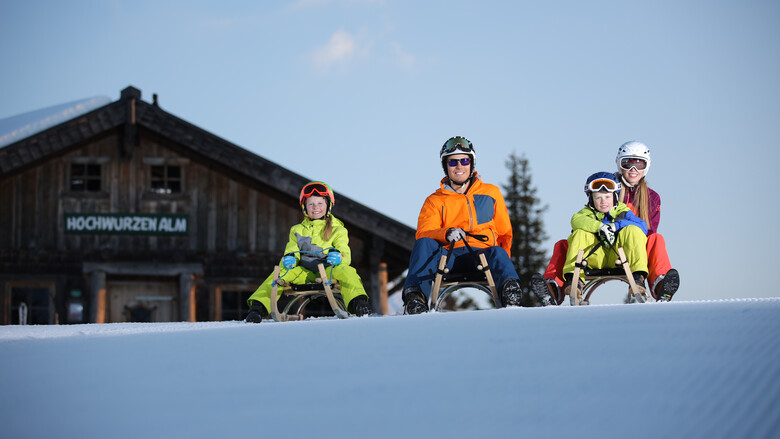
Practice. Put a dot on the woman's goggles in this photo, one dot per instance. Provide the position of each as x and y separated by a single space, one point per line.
454 162
458 144
632 162
600 184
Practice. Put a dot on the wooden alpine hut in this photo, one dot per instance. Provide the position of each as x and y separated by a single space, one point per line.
128 213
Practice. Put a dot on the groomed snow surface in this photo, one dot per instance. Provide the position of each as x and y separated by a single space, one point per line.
656 370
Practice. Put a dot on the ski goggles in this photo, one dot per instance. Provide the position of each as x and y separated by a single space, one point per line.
600 184
458 144
454 162
627 163
315 189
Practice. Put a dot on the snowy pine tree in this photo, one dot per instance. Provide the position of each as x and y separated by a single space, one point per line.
525 212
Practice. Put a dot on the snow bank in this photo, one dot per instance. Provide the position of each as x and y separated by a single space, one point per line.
680 369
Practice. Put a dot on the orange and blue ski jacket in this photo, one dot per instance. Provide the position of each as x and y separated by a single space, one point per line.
480 211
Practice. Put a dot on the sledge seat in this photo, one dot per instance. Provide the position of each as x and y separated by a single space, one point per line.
446 282
595 277
301 295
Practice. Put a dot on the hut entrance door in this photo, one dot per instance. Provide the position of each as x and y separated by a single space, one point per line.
142 301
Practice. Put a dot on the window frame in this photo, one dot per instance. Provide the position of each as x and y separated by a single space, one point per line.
166 162
87 161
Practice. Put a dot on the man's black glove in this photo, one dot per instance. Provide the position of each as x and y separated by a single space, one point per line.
256 313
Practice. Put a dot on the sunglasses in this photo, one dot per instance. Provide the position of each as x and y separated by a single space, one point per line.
458 144
632 162
602 184
454 162
315 189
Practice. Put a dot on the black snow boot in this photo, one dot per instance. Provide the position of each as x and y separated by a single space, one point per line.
359 306
639 279
542 290
568 283
414 301
256 313
667 286
511 293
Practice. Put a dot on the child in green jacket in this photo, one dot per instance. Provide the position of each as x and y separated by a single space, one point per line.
608 220
319 231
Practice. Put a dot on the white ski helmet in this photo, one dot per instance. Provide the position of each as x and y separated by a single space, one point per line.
457 145
633 149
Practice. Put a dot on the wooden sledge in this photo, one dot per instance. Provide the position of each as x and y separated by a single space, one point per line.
444 283
597 277
303 294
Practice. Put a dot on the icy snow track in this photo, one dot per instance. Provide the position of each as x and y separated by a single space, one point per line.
679 369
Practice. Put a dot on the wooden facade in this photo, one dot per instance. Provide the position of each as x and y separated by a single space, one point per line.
129 213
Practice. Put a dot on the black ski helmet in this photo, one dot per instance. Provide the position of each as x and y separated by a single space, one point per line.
602 181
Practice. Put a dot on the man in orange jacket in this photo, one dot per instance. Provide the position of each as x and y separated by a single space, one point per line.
463 206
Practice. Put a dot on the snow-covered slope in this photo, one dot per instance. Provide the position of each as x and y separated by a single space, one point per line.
680 369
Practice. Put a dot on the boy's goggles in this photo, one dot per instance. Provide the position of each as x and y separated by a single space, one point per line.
315 189
600 184
457 144
627 163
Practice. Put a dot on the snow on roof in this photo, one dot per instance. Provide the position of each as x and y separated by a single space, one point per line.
16 128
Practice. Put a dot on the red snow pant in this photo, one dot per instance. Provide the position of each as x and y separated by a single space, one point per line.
657 260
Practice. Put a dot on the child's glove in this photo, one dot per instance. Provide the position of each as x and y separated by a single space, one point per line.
289 262
334 258
607 233
455 234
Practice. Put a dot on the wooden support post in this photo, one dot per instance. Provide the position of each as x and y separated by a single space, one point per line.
97 294
187 297
383 307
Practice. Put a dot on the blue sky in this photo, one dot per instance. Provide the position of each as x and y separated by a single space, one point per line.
363 93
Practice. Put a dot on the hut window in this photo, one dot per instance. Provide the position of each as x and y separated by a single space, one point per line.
85 177
166 179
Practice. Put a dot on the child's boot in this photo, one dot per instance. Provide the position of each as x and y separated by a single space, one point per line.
639 279
568 282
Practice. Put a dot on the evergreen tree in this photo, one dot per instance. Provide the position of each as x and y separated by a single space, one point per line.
525 212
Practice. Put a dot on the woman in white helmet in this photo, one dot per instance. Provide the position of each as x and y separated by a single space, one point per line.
633 163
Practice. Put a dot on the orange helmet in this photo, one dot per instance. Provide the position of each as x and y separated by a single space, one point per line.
316 188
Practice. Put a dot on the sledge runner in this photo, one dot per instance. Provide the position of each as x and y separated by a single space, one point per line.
319 238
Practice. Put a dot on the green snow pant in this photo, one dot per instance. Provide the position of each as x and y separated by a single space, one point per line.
631 238
348 278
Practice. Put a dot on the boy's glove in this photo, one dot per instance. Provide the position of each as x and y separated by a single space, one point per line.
607 233
455 234
334 258
289 262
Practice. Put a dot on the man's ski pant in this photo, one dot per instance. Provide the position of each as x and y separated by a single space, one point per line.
425 261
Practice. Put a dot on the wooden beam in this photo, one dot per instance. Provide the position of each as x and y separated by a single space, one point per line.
383 307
